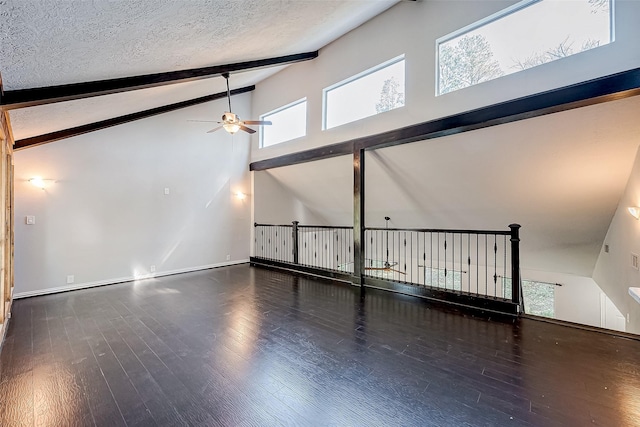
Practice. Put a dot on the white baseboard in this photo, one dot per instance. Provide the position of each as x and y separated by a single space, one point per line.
18 295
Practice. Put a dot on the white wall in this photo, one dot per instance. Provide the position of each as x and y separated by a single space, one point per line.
276 204
412 28
613 271
318 193
106 218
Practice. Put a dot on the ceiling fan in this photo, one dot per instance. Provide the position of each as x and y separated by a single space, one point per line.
388 266
231 122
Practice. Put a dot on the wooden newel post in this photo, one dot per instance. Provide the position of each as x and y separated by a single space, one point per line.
515 263
295 241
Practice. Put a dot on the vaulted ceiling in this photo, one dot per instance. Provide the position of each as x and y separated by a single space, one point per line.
50 43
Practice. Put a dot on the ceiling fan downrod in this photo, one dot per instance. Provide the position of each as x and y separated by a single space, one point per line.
226 77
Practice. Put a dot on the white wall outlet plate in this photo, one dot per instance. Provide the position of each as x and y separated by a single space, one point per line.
152 269
70 279
166 191
228 257
30 219
634 261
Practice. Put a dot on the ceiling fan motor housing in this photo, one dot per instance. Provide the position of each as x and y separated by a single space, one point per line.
229 117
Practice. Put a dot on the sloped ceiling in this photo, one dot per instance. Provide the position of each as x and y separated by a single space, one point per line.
560 176
49 42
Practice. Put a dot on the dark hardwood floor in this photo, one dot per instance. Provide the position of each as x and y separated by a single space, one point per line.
240 346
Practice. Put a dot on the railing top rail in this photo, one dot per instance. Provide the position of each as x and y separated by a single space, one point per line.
442 230
327 226
420 230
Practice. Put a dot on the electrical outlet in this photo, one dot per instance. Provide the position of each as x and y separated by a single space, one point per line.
228 257
30 219
628 320
634 261
70 279
166 191
152 269
606 249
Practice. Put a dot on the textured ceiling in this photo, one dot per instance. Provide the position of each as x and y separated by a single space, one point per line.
52 42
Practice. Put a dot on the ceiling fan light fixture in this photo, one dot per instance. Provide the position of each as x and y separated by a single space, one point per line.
231 127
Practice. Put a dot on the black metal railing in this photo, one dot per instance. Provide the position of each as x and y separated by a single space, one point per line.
314 246
274 242
481 264
474 262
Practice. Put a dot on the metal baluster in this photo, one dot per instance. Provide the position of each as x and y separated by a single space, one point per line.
453 261
461 273
405 256
486 265
424 258
495 266
504 267
477 263
411 258
445 260
438 259
469 263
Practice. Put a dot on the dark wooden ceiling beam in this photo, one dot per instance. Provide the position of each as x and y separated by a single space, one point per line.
91 127
609 88
22 98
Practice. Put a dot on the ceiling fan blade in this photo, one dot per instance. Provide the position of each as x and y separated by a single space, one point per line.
204 121
214 129
257 122
246 129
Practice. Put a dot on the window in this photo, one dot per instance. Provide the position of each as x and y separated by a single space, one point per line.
530 33
539 298
289 122
371 92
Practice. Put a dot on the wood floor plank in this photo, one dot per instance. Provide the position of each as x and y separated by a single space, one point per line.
253 347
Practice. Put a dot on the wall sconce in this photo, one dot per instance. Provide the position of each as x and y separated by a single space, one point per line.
41 183
634 211
241 195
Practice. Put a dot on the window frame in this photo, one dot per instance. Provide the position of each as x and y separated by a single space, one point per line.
495 17
278 110
353 78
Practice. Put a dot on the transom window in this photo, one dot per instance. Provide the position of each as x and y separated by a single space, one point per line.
371 92
288 122
528 34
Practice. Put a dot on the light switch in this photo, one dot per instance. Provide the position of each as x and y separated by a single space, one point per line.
30 219
166 191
